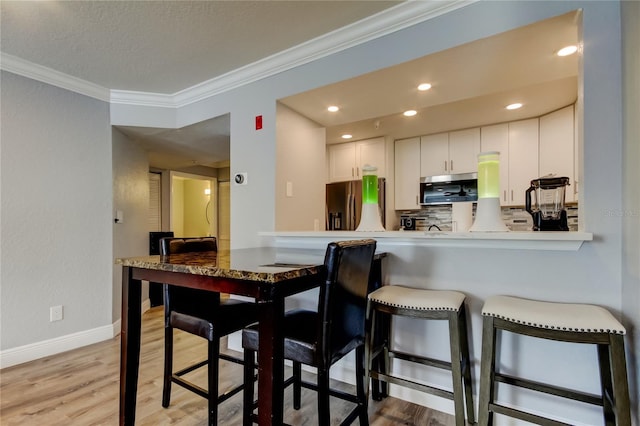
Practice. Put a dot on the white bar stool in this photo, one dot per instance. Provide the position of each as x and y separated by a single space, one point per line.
576 323
427 305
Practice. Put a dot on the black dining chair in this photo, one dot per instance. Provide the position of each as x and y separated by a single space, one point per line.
319 339
203 314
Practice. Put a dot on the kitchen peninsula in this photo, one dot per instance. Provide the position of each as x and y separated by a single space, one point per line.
481 265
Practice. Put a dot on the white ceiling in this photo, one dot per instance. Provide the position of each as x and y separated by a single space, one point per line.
170 46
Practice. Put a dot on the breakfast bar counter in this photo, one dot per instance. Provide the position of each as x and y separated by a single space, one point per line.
522 240
563 267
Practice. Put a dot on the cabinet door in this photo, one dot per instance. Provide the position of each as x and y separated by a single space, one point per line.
434 155
464 147
556 146
523 158
371 152
407 174
496 138
342 161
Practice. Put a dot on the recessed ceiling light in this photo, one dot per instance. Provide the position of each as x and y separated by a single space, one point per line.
333 108
514 106
347 136
424 86
410 113
567 50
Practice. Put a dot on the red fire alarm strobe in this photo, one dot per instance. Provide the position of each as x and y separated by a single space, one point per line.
258 122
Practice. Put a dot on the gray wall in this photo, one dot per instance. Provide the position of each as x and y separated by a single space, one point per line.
131 196
56 212
631 178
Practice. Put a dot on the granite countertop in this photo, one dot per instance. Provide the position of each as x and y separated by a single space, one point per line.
256 264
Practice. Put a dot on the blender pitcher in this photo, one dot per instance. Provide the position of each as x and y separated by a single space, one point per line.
547 209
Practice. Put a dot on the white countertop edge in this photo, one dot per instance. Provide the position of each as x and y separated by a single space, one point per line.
527 240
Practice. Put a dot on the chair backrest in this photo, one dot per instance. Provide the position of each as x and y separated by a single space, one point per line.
198 303
187 245
343 298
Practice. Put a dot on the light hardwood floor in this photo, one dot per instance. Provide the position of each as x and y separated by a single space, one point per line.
80 387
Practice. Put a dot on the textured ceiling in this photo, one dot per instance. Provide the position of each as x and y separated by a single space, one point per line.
165 46
168 46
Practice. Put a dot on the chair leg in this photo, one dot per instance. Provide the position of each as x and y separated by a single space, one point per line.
297 385
362 381
368 348
214 354
324 414
456 367
487 366
466 364
168 366
606 385
620 382
247 407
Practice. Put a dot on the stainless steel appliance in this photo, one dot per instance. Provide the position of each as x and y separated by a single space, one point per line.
447 189
547 208
344 204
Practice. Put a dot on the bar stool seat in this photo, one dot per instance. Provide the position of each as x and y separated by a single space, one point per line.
567 322
423 304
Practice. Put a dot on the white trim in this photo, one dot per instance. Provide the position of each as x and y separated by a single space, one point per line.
54 346
565 241
24 68
57 345
386 22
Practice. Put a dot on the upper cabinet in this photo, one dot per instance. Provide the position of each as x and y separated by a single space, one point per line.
496 138
449 153
347 159
517 143
557 147
523 160
529 149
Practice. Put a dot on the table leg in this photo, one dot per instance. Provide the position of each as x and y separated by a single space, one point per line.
129 346
270 363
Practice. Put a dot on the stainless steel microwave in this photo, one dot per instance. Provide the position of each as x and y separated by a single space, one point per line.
446 189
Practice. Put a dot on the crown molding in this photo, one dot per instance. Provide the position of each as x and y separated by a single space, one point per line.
24 68
386 22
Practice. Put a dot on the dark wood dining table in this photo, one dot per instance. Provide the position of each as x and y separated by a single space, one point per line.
266 274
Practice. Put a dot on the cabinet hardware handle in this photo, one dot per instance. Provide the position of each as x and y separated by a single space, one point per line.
504 195
512 195
451 165
357 171
445 165
352 173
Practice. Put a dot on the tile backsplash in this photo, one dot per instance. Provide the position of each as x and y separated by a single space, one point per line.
516 218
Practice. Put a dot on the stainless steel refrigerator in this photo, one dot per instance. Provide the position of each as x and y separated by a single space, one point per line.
344 204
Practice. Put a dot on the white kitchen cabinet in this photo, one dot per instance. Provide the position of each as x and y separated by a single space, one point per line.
523 159
464 147
449 153
496 138
434 154
347 159
407 173
557 146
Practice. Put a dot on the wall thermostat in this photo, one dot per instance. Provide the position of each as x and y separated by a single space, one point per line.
240 178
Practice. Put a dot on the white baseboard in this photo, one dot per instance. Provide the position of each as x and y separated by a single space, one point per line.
33 351
37 350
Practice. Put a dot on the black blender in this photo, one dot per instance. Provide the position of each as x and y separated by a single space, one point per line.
547 208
